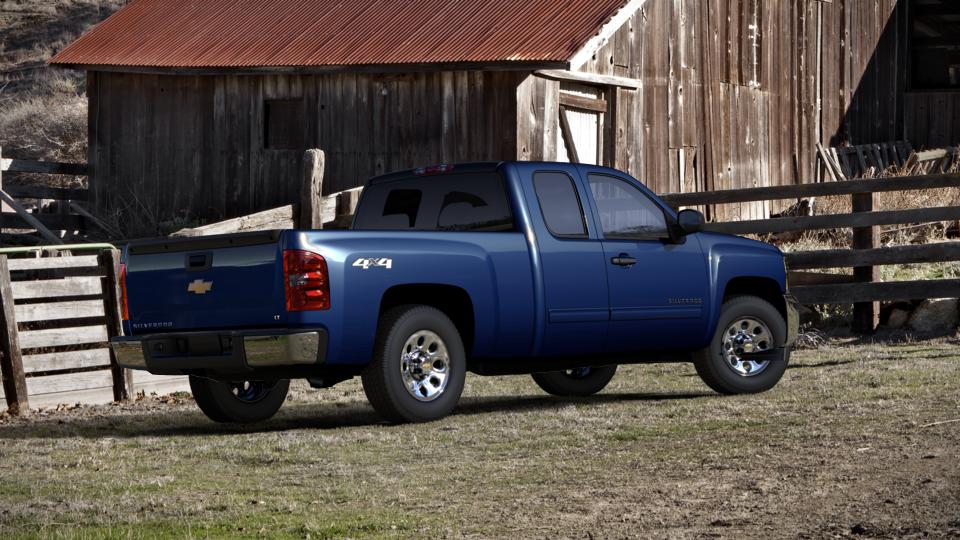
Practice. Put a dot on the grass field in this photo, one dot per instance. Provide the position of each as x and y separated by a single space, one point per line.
842 448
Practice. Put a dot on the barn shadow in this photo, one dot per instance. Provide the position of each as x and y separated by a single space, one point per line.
187 421
906 88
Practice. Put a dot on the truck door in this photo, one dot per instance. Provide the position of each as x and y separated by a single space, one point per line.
572 265
657 289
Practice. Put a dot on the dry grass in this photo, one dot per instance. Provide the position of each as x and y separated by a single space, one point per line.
840 448
43 110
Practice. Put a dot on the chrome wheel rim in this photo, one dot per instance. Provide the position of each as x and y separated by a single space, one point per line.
425 365
249 391
746 335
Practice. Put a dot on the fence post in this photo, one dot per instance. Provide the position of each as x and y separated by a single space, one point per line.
311 190
11 361
122 378
866 315
3 205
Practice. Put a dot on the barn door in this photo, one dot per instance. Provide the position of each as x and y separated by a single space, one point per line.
583 112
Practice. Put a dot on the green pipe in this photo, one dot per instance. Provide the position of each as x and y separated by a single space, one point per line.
70 247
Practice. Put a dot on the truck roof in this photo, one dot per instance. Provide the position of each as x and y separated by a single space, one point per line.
472 167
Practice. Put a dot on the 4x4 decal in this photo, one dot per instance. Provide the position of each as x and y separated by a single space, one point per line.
373 262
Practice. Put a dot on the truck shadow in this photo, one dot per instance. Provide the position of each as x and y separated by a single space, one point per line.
187 421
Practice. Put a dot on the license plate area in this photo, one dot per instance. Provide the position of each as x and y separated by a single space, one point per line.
187 346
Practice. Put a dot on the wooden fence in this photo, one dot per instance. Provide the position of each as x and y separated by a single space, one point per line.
863 288
57 316
70 215
312 211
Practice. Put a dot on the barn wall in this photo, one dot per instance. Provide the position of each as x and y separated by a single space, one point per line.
725 107
167 150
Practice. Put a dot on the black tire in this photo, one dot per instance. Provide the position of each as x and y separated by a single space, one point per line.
719 373
242 402
421 331
575 382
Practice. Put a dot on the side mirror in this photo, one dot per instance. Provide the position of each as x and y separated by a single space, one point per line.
690 221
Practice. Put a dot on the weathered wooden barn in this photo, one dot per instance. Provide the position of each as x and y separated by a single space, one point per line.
202 110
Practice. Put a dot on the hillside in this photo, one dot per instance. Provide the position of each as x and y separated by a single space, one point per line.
43 110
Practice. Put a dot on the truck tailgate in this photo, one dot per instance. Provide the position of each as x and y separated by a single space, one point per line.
232 281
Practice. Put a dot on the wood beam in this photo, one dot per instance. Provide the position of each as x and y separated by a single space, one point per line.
838 221
572 101
567 134
850 293
844 258
43 167
824 189
590 78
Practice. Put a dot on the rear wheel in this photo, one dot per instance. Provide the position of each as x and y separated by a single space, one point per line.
241 401
584 381
419 366
747 324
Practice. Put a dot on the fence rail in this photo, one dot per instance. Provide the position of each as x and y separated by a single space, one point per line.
70 216
863 289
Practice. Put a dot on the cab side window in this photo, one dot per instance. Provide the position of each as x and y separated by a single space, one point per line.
625 211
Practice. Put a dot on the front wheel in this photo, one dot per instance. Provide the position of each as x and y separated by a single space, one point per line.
419 367
241 402
747 325
578 382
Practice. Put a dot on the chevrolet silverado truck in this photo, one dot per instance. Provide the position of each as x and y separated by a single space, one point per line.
563 271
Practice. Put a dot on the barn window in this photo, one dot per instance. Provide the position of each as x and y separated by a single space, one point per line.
284 124
934 44
583 110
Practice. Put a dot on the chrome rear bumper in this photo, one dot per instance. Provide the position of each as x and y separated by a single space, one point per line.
220 351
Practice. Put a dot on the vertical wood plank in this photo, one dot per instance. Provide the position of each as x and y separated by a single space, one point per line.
122 378
11 361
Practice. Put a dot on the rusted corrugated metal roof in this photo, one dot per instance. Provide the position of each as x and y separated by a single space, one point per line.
303 33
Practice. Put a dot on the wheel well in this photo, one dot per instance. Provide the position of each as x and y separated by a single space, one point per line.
765 288
452 301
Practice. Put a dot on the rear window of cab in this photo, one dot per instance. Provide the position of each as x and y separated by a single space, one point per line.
469 201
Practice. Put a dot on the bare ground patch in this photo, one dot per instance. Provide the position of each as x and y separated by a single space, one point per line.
842 448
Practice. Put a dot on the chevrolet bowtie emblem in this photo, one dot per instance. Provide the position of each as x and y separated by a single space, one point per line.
200 286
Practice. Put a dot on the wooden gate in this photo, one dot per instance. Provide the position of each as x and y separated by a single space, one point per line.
57 317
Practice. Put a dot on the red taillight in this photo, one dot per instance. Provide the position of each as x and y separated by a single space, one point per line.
124 310
435 169
306 280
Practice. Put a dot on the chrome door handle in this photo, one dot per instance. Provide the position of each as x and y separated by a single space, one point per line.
623 259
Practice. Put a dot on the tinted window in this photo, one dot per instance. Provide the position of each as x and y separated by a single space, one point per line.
560 204
625 211
402 207
445 202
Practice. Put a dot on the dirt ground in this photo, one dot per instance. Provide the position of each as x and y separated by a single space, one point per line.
856 442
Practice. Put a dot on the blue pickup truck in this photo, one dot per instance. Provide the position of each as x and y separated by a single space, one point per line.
557 270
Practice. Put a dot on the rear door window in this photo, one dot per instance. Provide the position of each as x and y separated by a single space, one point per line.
560 204
474 202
